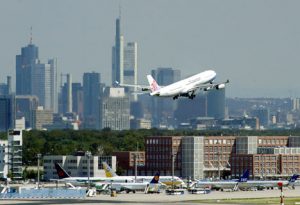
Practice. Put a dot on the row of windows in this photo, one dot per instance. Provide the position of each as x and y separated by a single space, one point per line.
272 141
219 141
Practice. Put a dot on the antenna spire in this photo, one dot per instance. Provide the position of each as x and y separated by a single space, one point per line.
31 35
120 10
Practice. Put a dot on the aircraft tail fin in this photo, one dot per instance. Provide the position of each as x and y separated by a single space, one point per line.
108 171
155 179
245 176
293 178
61 172
153 84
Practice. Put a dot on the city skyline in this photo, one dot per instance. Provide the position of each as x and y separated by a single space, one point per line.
252 43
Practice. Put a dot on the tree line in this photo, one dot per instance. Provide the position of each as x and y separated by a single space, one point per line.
106 141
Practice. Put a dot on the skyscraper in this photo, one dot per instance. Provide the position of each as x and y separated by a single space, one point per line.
77 99
216 104
115 109
130 67
163 108
91 94
7 112
36 78
117 55
25 64
25 106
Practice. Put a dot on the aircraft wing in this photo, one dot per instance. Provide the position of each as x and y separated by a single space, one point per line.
209 86
140 87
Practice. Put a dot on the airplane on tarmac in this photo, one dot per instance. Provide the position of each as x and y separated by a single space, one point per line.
268 183
224 184
64 176
183 88
152 186
166 180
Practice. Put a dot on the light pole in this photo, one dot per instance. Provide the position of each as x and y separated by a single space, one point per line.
173 161
38 175
88 155
135 167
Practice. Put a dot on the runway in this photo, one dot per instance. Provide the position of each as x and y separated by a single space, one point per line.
162 198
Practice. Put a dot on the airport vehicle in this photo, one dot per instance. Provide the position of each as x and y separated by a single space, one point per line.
148 187
183 88
64 176
264 184
224 184
167 180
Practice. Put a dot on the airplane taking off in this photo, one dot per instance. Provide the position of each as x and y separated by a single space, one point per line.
167 180
64 176
183 88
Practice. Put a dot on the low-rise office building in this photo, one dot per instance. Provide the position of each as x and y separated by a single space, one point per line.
77 166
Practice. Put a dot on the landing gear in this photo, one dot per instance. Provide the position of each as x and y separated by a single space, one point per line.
175 97
192 96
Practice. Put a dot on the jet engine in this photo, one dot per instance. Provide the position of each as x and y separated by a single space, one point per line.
220 86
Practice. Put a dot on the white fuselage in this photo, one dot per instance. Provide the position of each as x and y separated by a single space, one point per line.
186 85
217 184
84 180
263 183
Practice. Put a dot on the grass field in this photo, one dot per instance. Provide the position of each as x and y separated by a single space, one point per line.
287 201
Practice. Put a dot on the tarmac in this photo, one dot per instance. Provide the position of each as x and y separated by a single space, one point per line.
162 198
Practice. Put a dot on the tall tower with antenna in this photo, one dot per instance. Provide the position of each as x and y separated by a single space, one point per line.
117 53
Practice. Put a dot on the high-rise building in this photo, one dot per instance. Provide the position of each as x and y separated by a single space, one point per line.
53 85
115 110
216 104
130 67
118 55
77 99
163 108
91 95
41 118
7 112
36 78
25 106
66 95
188 109
25 64
5 89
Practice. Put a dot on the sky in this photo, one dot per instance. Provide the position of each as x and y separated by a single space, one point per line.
255 44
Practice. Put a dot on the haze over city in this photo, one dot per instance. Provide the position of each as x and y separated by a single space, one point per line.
252 43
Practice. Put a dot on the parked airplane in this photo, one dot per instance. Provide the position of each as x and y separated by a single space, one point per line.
152 186
224 184
183 88
268 183
167 180
64 176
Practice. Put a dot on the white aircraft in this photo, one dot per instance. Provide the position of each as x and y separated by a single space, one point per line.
268 183
224 184
183 88
148 187
64 176
166 180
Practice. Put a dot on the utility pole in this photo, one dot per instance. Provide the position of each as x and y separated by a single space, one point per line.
38 175
173 159
88 154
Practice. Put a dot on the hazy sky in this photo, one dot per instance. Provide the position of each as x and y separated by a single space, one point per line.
255 44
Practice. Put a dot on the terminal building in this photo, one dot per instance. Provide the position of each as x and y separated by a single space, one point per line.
198 157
